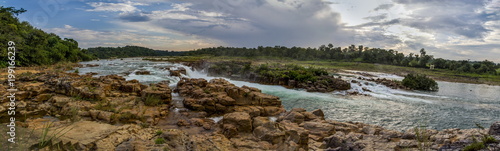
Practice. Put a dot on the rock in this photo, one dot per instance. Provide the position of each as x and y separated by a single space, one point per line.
241 120
42 97
494 129
320 129
270 135
261 121
295 117
159 91
229 130
219 96
143 72
295 134
182 122
92 65
319 113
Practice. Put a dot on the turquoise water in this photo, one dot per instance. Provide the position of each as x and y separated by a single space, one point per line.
455 105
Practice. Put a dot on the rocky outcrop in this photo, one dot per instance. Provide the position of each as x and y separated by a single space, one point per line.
142 72
219 97
495 129
387 82
306 79
178 72
107 98
110 113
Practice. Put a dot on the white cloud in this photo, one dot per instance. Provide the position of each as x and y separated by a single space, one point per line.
91 38
115 7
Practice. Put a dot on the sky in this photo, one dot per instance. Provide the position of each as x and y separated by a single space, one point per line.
450 29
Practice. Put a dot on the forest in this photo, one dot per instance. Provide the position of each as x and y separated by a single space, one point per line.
34 46
356 54
128 51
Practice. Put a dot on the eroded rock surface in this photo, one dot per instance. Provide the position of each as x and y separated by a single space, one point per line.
218 96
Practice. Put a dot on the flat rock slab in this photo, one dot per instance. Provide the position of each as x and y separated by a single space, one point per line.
84 132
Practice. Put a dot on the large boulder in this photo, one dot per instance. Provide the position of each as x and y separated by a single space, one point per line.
241 120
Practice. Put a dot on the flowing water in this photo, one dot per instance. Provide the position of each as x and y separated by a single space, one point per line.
455 105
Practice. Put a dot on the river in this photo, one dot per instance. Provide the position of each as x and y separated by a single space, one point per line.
455 105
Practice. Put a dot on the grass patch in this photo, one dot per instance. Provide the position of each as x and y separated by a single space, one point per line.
159 132
160 140
478 145
152 100
422 137
106 106
46 139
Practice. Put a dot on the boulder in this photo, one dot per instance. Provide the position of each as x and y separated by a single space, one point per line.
495 129
295 117
319 113
143 72
241 120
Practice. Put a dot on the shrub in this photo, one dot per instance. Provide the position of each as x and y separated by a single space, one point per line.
420 82
159 140
159 132
475 146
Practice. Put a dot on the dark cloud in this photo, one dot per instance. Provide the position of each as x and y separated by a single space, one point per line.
134 17
391 22
383 7
376 18
253 23
460 17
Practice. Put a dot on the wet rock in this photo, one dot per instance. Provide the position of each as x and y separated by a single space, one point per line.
92 65
143 72
494 129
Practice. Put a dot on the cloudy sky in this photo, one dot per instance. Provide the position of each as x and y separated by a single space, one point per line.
452 29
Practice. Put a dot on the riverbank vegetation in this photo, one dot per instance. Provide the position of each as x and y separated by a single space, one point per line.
358 54
420 82
34 46
290 75
128 51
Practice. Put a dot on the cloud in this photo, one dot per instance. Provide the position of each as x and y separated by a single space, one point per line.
134 17
459 17
379 24
253 23
114 7
377 18
92 38
383 7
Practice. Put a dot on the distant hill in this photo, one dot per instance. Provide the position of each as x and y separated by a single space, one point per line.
34 46
128 51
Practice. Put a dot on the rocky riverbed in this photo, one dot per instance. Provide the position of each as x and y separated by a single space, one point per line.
111 113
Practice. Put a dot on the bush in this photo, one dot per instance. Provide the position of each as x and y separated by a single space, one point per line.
420 82
475 146
159 141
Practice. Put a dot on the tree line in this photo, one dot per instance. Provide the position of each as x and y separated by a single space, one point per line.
356 54
34 46
128 51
